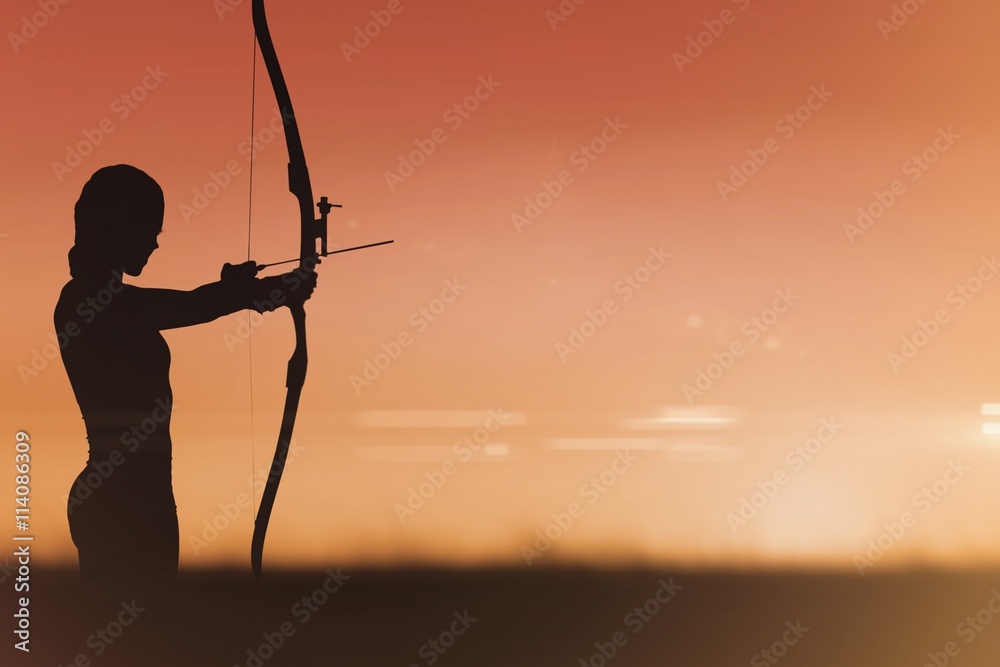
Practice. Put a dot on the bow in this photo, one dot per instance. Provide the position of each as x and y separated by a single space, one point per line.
312 230
313 234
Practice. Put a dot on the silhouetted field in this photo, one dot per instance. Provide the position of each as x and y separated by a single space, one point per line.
522 618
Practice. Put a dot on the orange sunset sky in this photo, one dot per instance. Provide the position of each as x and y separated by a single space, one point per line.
581 321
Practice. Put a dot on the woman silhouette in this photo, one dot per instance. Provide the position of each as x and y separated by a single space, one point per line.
122 516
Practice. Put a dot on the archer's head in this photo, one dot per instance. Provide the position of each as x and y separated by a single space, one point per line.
118 216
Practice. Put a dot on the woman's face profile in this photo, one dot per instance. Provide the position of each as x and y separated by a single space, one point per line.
137 250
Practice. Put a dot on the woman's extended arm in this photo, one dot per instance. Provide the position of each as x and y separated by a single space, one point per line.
238 290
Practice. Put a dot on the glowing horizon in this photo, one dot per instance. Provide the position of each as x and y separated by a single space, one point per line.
700 257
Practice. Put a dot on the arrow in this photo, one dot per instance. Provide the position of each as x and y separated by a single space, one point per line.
261 267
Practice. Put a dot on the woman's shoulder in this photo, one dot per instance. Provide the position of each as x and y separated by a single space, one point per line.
82 301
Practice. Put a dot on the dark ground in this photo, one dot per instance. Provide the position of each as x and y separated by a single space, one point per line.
525 618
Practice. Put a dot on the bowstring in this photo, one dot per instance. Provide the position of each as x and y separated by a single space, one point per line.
253 107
